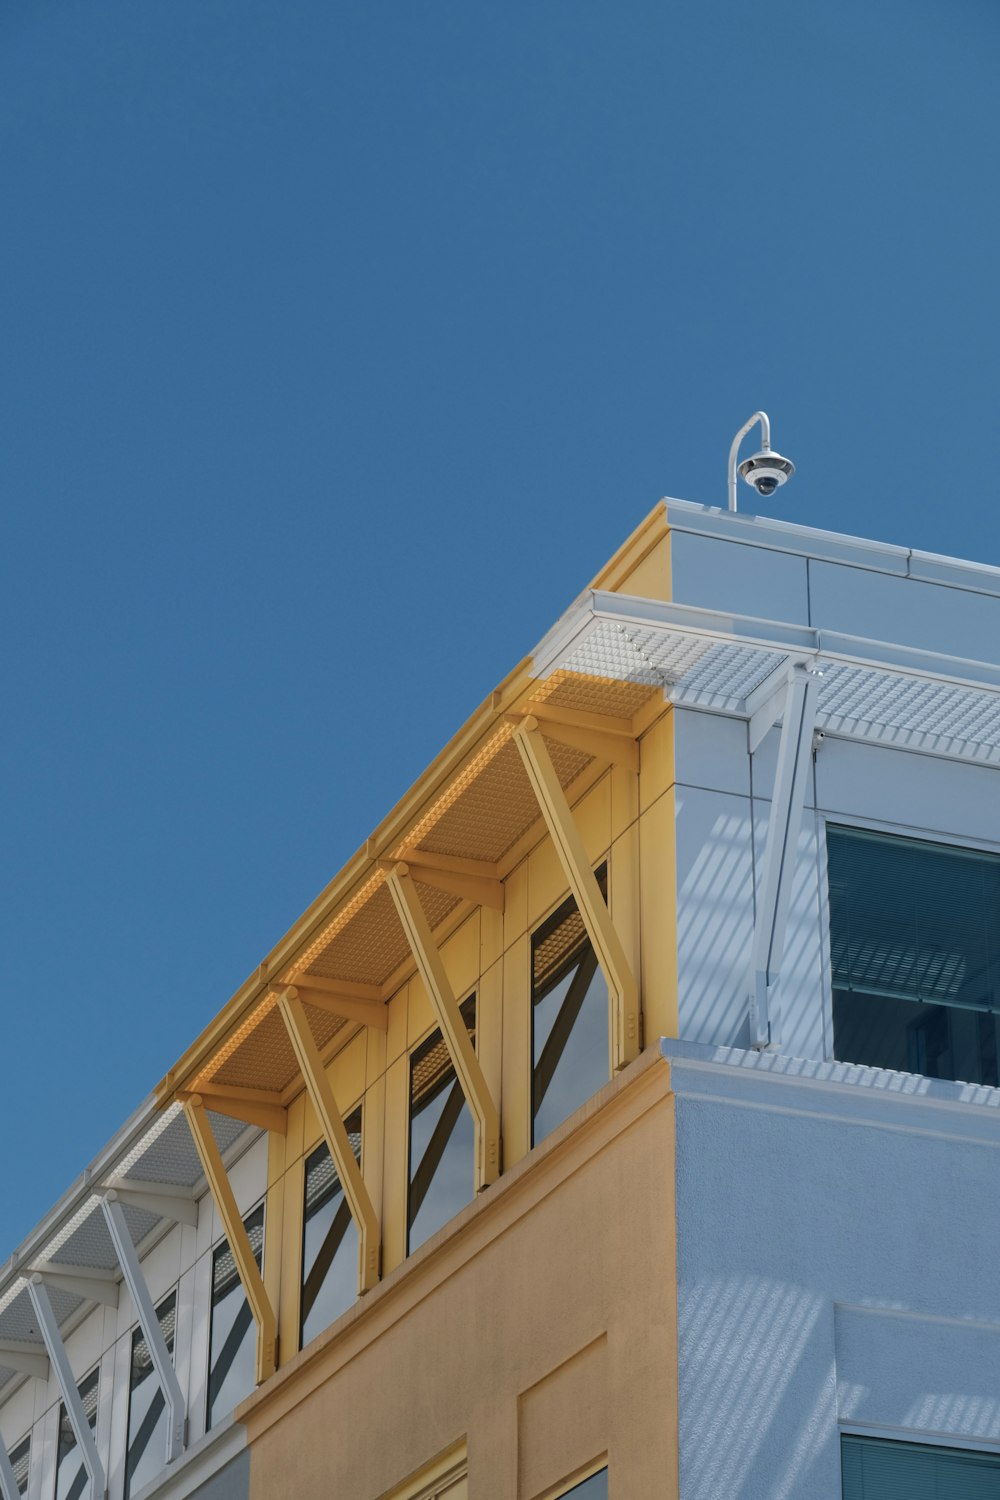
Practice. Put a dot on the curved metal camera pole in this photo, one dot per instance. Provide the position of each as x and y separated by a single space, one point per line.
765 443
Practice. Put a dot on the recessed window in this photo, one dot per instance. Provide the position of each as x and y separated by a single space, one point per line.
20 1460
441 1137
914 954
72 1478
594 1488
569 1018
147 1409
329 1240
875 1469
232 1341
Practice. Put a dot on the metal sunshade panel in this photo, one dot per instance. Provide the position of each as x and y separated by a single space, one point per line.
870 690
167 1153
86 1242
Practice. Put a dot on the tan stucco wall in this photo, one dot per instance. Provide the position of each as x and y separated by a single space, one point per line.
539 1325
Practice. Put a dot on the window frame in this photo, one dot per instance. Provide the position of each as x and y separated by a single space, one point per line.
261 1203
171 1350
867 825
905 1438
602 873
426 1044
566 1486
358 1108
14 1458
93 1372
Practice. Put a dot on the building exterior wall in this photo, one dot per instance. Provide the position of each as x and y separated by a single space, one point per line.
537 1329
824 1213
836 1268
623 820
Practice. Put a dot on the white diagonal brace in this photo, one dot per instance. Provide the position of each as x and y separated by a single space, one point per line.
8 1484
149 1323
163 1199
92 1283
791 775
25 1358
49 1329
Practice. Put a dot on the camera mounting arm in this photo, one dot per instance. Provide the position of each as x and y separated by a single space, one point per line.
765 442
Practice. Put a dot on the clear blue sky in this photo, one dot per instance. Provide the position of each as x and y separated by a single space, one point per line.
339 345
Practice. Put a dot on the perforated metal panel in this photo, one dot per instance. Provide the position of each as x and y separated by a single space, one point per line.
891 705
167 1153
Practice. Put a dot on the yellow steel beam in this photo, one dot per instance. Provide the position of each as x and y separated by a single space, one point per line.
485 1115
318 1087
239 1240
615 747
352 1003
578 718
583 883
260 1107
482 889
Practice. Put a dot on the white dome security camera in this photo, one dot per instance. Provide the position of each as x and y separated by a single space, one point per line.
766 470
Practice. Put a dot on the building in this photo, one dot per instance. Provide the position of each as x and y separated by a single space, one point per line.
596 1131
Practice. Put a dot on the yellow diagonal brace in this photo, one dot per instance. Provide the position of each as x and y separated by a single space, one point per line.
485 1115
239 1240
336 1137
583 883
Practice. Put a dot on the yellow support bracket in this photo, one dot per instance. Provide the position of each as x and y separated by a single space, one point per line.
430 965
321 1094
582 882
614 747
239 1240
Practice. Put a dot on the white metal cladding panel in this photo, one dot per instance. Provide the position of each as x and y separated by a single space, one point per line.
710 750
915 791
717 574
909 611
714 915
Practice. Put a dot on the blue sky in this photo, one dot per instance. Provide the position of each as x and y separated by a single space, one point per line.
339 345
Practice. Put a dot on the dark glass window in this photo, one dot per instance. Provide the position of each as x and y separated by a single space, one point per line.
594 1488
914 954
441 1137
570 1047
875 1469
72 1478
329 1240
20 1459
232 1341
146 1453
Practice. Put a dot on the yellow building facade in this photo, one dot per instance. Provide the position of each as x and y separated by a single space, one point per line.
492 1348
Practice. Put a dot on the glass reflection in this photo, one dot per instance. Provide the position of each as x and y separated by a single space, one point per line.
570 1045
594 1488
72 1478
20 1461
329 1240
147 1410
232 1342
441 1138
